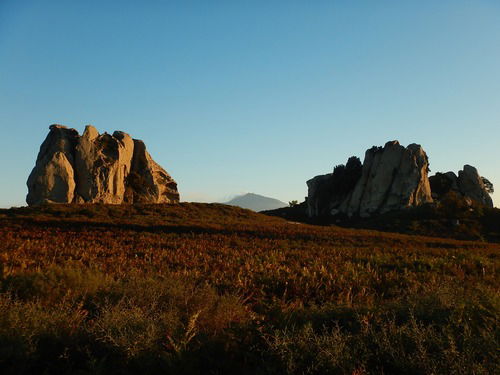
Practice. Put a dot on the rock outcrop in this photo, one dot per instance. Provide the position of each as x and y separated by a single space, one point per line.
468 184
97 168
328 193
102 163
53 179
391 178
149 182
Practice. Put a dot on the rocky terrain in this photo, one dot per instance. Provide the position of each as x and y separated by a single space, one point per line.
391 178
97 168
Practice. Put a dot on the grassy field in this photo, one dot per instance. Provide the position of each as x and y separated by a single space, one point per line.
213 289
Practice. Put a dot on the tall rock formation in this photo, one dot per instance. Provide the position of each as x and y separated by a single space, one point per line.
394 177
148 181
102 163
471 185
97 168
328 193
391 178
53 179
468 184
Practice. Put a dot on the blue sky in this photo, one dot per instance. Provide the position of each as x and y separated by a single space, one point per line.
252 96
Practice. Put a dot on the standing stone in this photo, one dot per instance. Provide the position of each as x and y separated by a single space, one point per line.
52 178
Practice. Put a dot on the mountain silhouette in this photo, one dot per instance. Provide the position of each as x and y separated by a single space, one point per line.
256 202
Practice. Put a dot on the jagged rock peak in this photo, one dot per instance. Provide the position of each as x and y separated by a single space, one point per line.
392 177
90 132
97 168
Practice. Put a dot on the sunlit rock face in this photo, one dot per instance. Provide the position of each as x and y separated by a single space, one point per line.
97 168
102 163
52 179
392 177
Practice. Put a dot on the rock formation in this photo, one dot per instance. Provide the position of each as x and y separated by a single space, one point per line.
148 182
53 180
102 163
468 184
97 168
328 193
391 178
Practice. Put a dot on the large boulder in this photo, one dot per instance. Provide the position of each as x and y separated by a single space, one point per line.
52 178
468 184
97 168
391 178
471 185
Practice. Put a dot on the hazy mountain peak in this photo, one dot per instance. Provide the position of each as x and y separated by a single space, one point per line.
256 202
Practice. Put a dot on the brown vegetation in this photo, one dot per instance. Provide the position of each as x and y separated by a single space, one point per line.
197 288
451 217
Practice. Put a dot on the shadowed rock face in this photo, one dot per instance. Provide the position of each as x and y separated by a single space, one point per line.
467 184
97 168
392 178
471 185
148 182
329 193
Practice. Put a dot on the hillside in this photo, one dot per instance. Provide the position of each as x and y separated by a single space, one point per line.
209 288
256 202
449 219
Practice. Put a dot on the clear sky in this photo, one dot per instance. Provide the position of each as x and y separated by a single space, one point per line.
252 96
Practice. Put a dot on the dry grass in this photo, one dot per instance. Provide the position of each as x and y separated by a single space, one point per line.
197 288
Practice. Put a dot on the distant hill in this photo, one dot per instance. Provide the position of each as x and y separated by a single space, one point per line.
256 202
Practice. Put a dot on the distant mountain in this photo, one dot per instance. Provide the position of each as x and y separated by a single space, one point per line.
256 202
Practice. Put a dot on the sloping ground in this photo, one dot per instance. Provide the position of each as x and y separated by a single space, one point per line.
454 219
208 288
